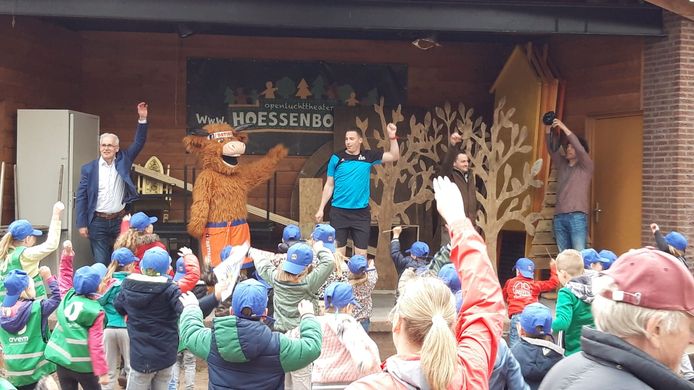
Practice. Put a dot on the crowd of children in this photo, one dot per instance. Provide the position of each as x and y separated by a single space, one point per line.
295 319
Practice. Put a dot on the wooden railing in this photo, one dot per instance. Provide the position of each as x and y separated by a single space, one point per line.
257 211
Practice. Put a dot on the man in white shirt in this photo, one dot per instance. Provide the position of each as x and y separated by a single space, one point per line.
106 188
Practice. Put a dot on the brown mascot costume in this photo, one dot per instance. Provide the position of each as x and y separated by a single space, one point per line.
218 213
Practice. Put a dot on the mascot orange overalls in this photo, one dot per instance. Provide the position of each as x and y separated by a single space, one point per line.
218 213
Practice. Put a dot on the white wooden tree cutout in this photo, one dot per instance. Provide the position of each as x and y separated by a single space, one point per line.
510 201
420 152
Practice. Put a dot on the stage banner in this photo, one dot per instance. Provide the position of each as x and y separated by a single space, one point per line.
287 102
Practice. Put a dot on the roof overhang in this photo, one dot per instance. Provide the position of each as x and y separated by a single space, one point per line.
324 18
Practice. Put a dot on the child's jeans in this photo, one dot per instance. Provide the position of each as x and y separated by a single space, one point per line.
117 345
186 359
301 378
157 380
513 336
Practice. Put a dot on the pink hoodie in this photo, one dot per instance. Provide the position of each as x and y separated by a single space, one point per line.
95 339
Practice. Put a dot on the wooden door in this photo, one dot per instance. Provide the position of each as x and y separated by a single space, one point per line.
617 149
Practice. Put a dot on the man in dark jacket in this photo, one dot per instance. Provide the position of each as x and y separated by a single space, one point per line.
643 311
456 165
150 300
106 188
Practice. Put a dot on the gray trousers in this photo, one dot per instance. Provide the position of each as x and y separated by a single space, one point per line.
116 345
185 359
157 380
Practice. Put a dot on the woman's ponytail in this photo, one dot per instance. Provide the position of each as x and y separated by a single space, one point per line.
427 308
439 355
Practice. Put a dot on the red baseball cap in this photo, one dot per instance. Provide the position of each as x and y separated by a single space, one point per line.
650 278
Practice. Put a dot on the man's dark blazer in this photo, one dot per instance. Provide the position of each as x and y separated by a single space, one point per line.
85 202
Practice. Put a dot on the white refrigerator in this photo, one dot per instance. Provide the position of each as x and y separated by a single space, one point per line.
52 146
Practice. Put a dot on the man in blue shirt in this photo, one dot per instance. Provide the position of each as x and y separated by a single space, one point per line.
349 184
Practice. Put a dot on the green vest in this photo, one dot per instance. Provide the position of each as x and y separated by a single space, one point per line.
24 351
15 263
68 344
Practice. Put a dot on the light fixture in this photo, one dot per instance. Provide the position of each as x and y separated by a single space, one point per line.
426 43
184 30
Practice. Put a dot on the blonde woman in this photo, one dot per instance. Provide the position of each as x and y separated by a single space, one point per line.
18 249
429 354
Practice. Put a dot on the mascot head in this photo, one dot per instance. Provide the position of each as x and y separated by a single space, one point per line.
218 146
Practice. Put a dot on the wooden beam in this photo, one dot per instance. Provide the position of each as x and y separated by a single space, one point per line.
257 211
310 193
166 179
684 8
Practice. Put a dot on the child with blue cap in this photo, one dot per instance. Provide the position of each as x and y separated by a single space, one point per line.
291 234
296 279
363 277
18 249
150 300
416 257
449 275
523 290
240 350
24 327
594 261
347 353
609 258
76 345
674 243
137 234
536 352
116 340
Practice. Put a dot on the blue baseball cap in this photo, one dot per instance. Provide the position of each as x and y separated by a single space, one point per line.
419 249
674 239
449 275
325 233
87 278
140 221
291 233
339 295
526 267
16 281
249 294
609 255
123 256
534 315
180 269
21 229
156 259
299 256
358 264
590 256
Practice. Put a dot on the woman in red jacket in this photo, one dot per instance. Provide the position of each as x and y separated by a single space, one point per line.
428 350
